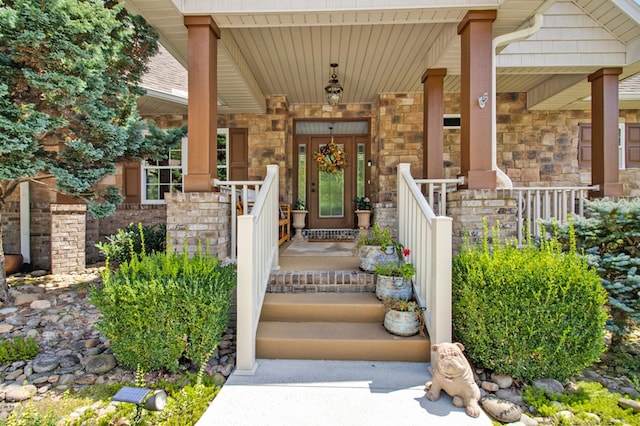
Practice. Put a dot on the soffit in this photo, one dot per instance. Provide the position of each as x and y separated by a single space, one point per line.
268 51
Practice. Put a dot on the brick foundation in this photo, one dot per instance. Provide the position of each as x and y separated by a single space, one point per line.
199 217
68 238
471 208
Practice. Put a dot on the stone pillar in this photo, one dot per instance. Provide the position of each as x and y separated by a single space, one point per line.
68 222
604 132
203 35
433 82
475 113
199 217
470 208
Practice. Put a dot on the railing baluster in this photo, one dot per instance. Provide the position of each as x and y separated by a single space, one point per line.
547 203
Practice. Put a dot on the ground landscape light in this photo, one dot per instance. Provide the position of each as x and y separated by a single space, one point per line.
152 400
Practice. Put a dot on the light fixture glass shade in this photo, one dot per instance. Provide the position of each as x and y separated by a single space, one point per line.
333 90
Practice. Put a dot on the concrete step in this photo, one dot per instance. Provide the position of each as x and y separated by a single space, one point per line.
365 341
332 326
328 307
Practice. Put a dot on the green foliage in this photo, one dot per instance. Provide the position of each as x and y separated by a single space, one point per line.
362 203
588 398
530 313
299 205
403 305
188 405
610 238
18 349
28 416
376 236
134 239
161 307
69 78
395 269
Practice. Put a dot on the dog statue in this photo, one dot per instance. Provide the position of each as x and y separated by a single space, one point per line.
452 373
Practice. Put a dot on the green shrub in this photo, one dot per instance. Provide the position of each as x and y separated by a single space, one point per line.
588 398
609 235
134 239
18 349
161 307
532 312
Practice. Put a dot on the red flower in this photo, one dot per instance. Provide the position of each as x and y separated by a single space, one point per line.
406 252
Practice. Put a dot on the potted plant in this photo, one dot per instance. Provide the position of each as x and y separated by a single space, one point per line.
402 317
394 277
371 246
363 211
299 214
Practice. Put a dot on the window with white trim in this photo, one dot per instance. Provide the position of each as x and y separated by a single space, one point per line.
161 177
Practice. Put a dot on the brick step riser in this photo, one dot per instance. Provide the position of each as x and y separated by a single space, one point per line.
321 281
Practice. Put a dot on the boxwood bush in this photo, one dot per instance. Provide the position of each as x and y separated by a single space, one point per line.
528 312
161 307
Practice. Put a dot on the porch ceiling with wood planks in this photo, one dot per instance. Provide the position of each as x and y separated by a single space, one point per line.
285 47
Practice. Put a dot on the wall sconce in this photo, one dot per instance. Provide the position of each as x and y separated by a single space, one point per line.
482 100
370 163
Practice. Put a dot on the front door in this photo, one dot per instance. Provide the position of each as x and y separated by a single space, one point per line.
331 195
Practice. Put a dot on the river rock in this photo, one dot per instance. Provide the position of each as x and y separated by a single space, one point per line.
5 328
45 363
551 385
100 364
503 381
489 386
629 403
25 299
40 304
501 410
16 392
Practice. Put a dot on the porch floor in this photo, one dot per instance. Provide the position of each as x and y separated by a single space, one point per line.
318 256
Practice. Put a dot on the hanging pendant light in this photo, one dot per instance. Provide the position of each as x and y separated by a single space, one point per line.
333 90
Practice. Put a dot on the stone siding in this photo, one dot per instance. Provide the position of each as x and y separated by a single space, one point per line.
398 140
68 238
195 218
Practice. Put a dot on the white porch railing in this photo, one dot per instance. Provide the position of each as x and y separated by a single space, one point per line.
241 192
429 238
436 192
258 255
546 203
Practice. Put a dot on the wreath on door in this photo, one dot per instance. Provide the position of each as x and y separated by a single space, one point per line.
330 158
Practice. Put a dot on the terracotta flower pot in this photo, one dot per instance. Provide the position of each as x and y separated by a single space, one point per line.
12 263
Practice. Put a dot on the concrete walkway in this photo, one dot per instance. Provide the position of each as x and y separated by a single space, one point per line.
327 393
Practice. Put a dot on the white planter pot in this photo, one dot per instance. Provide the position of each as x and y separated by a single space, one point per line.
401 323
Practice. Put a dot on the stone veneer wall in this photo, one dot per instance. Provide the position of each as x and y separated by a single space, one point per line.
199 217
267 135
398 140
68 238
471 208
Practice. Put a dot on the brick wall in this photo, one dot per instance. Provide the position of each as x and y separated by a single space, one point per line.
471 208
68 238
199 217
99 229
11 227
